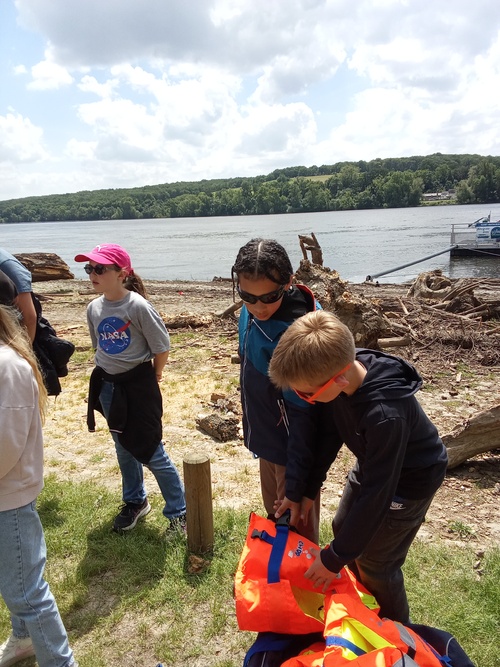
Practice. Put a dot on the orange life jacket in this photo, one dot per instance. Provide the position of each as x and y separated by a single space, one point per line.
271 591
357 637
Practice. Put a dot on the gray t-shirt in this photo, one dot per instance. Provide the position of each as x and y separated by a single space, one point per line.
125 333
16 271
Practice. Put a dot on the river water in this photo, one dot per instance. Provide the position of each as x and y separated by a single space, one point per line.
355 243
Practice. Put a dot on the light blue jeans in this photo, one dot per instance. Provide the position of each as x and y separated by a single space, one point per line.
165 472
32 607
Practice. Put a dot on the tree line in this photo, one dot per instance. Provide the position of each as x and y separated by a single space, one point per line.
380 183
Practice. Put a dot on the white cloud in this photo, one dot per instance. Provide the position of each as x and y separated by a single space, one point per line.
47 75
80 150
20 140
89 84
212 88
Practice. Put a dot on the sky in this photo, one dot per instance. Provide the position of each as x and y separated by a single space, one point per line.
124 93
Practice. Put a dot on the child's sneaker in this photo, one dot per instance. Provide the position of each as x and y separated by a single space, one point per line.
178 524
14 650
129 516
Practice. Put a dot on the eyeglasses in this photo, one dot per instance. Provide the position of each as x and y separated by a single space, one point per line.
98 269
311 398
270 297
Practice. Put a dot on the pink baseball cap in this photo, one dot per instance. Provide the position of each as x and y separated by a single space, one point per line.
107 253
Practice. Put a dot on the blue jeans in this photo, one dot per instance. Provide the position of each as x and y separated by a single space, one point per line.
32 607
160 465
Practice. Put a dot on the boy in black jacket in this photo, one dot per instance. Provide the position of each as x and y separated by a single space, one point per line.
368 403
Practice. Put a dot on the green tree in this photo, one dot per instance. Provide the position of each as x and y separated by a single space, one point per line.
464 193
350 177
316 197
402 189
483 180
268 199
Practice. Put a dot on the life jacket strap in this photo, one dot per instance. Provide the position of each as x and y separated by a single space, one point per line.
278 544
333 640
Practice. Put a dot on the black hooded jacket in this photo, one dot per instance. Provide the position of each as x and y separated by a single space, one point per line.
397 447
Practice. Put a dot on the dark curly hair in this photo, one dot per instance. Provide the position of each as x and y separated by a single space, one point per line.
263 258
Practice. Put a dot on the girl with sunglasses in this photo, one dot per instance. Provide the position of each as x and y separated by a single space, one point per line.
37 628
131 346
274 421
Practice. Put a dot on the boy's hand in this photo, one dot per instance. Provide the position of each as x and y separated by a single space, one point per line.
319 574
281 506
298 511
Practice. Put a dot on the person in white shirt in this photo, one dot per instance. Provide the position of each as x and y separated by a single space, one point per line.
37 628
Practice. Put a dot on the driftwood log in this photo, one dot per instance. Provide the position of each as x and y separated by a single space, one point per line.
363 317
186 320
220 428
310 243
477 435
45 266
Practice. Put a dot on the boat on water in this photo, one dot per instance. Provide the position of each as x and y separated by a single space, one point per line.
479 238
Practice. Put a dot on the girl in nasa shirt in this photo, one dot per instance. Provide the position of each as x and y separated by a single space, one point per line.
131 346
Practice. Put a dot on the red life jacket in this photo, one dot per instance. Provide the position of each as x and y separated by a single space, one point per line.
271 591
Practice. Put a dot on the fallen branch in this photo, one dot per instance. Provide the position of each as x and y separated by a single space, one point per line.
443 313
402 341
403 307
229 311
462 288
475 436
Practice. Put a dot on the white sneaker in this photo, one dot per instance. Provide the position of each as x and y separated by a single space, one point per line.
14 650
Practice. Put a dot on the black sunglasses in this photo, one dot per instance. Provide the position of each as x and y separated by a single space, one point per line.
98 269
270 297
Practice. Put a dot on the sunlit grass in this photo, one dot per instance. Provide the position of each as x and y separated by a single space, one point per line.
130 599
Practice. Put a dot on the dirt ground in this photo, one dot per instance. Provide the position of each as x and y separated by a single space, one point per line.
458 384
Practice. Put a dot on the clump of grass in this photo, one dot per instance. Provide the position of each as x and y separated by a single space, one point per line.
445 591
462 529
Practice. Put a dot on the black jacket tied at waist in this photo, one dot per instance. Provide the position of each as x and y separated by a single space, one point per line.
136 408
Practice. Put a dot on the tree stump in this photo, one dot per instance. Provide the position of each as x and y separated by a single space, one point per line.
199 510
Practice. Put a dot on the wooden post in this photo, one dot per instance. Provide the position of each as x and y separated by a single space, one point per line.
199 510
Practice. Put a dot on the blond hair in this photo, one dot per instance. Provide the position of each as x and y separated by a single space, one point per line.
14 335
312 349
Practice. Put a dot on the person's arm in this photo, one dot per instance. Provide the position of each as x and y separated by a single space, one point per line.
308 460
302 432
24 303
327 446
313 445
159 363
156 334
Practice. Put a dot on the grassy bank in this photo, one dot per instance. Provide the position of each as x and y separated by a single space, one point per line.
130 600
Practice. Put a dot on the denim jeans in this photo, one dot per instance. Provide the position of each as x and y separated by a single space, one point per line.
379 566
160 465
32 607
